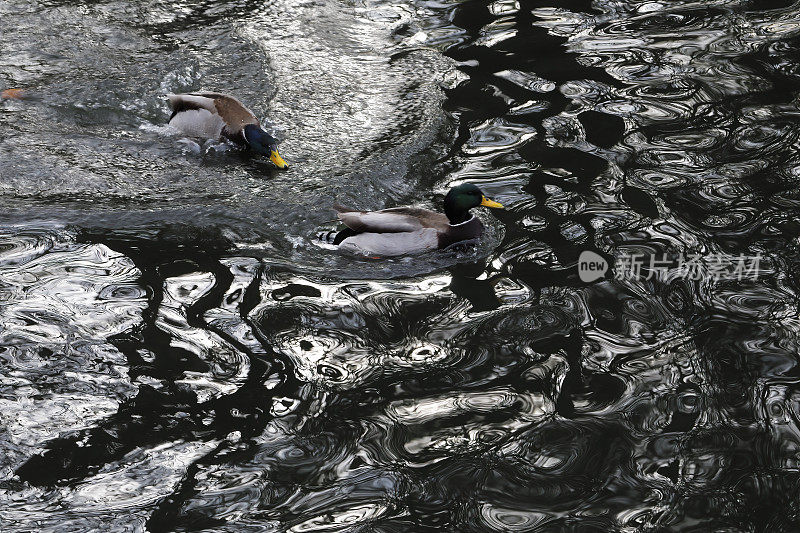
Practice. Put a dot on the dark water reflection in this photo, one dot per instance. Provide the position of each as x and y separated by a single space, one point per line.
177 354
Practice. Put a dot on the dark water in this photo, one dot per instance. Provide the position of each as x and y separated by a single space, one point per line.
178 354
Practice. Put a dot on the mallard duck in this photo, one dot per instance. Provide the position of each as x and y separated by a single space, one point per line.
217 115
409 230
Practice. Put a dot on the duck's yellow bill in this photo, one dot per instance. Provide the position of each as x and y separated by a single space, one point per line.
278 160
491 203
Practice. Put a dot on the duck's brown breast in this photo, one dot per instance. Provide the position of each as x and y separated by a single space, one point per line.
471 229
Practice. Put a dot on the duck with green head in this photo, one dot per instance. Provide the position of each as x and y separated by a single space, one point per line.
217 116
410 230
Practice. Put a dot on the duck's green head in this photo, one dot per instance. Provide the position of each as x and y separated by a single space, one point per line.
461 198
263 143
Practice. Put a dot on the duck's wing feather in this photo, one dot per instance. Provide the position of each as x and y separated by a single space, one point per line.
394 220
378 222
426 217
195 115
233 113
190 102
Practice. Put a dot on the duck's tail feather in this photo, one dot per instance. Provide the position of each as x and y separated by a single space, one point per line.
327 236
189 102
335 237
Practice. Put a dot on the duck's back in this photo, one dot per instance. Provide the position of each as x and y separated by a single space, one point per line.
209 115
393 220
235 115
426 217
447 233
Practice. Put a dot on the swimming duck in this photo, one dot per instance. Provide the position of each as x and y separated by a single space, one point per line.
217 115
409 230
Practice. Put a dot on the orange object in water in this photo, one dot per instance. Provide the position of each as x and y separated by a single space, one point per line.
13 93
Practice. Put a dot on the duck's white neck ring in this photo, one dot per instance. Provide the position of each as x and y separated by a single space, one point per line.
462 223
